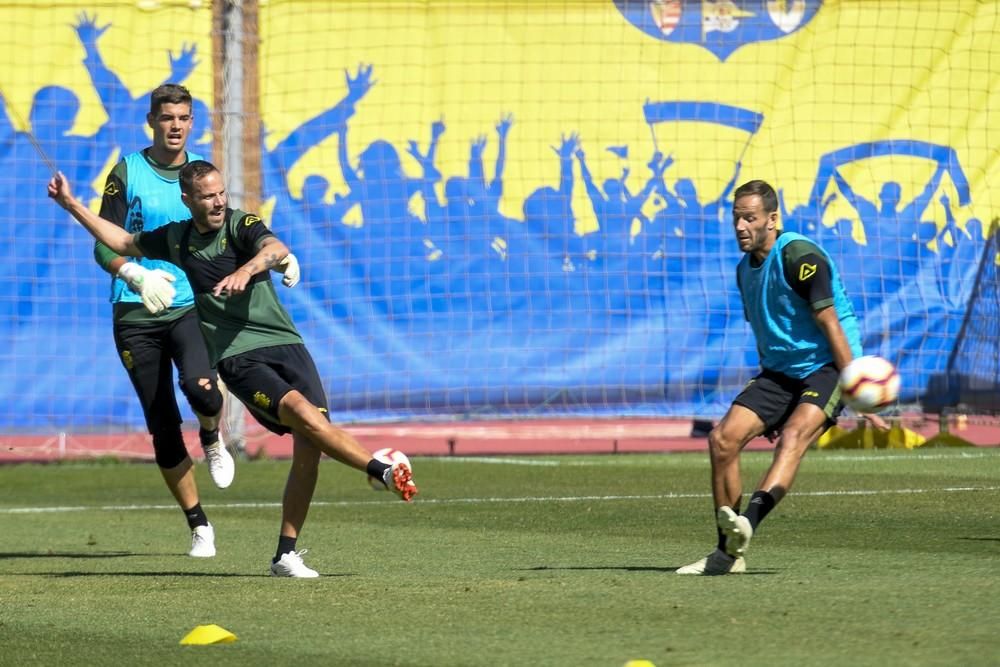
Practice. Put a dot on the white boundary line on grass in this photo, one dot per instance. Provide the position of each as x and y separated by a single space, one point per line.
504 460
477 501
903 456
626 459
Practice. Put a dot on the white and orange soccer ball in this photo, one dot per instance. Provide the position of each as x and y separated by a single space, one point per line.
869 384
390 456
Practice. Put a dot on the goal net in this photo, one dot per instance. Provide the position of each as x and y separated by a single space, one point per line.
518 208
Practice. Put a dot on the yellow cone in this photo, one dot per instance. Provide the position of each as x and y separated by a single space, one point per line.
208 634
639 663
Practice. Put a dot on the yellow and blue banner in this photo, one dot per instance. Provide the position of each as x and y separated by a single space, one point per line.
524 207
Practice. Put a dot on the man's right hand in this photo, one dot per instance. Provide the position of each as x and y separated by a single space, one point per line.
59 190
154 286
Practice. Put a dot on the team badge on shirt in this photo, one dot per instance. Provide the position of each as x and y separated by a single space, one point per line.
806 271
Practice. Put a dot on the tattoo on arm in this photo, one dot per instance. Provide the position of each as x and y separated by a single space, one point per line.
270 260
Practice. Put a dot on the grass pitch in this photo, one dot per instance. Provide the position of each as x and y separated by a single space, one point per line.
875 558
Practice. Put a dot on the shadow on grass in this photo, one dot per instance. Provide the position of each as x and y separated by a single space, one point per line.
620 568
167 573
981 539
159 573
9 555
66 554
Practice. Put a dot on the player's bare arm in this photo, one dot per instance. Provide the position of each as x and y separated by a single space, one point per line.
105 231
272 253
829 323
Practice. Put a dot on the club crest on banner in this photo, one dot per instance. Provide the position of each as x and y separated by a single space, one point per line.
721 26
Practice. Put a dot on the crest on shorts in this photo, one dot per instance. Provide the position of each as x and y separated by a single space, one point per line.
261 399
721 26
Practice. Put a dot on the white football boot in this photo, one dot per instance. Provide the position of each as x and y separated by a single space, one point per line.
737 530
291 565
202 542
221 465
716 563
399 480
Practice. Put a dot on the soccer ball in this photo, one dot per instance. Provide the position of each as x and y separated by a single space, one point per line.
869 384
390 456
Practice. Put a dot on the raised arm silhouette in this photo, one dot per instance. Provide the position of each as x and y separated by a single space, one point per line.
126 113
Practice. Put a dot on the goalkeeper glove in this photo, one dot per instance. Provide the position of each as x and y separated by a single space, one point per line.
153 286
292 272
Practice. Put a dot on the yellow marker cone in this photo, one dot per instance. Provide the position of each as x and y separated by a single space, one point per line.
204 635
639 663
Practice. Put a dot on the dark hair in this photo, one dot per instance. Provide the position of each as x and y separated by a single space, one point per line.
763 189
168 93
192 171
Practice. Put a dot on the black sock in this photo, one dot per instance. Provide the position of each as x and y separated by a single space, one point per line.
761 503
377 468
208 437
285 545
721 544
196 517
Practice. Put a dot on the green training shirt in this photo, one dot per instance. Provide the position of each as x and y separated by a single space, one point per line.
231 324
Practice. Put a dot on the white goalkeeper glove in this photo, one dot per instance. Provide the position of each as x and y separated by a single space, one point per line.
154 286
291 272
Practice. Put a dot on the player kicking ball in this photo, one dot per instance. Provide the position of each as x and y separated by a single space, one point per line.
227 256
806 331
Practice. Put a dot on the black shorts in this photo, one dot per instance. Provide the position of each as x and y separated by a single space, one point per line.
773 396
261 378
148 352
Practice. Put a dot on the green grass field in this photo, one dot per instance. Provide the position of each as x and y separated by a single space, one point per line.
877 558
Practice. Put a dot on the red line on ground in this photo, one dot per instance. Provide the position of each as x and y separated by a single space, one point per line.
550 436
